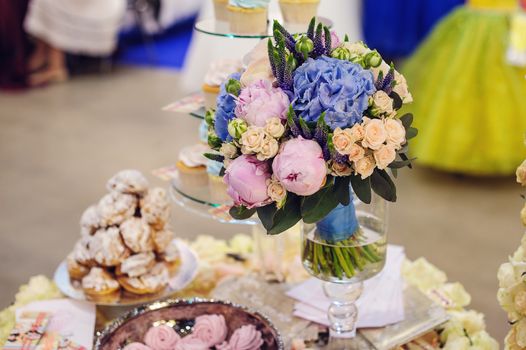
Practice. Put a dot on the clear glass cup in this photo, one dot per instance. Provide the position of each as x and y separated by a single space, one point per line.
346 259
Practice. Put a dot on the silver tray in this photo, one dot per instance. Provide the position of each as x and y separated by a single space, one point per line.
181 314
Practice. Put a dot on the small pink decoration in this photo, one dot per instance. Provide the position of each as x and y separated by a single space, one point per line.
211 329
161 338
244 338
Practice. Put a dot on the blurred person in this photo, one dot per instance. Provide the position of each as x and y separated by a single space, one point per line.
469 101
87 27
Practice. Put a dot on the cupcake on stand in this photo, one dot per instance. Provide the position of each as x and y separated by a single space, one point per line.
298 11
248 16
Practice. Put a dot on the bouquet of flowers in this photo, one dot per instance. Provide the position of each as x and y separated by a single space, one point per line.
310 116
512 289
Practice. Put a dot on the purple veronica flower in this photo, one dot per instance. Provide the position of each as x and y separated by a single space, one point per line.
225 110
340 88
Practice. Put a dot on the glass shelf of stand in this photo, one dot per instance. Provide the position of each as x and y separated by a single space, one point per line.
208 201
214 27
199 113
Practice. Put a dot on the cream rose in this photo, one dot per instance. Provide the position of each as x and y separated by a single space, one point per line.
384 156
374 134
523 215
521 174
357 48
365 166
338 169
274 128
382 102
520 333
342 141
277 192
357 152
268 149
402 89
357 132
228 150
395 132
471 320
252 140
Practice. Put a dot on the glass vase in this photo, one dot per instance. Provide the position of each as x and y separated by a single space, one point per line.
344 249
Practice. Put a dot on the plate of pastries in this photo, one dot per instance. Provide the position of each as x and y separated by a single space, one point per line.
127 253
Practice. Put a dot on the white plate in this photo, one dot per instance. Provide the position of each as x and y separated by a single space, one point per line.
185 273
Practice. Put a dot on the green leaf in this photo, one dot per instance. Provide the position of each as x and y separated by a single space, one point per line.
216 157
266 215
222 171
395 172
411 133
397 164
343 190
407 120
382 184
241 212
397 100
362 188
287 216
315 207
405 157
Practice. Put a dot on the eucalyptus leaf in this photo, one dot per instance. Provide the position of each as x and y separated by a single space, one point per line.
222 171
241 212
397 164
411 133
382 184
397 100
362 188
405 157
407 120
315 207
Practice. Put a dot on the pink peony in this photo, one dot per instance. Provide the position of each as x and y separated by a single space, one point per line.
211 329
246 178
136 346
161 338
244 338
260 101
300 166
190 342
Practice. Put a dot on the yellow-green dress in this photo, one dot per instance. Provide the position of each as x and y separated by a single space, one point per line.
469 103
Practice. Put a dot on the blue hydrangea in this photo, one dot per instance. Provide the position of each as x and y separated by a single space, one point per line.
225 110
339 88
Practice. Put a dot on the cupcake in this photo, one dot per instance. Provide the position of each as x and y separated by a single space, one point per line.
218 73
215 182
248 16
298 11
192 166
99 285
220 10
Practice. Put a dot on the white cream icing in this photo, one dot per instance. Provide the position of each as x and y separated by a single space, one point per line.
89 221
81 251
156 278
137 235
171 252
220 70
138 264
128 181
115 207
99 280
107 247
155 207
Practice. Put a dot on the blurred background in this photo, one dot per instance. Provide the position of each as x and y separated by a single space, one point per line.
83 85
